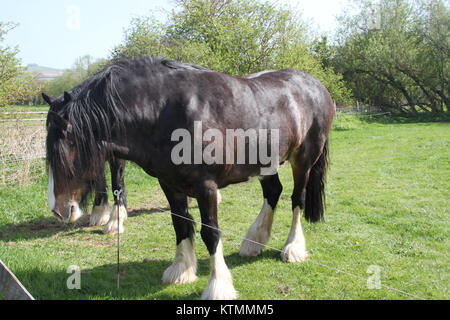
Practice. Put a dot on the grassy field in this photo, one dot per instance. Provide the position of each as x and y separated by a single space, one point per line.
388 205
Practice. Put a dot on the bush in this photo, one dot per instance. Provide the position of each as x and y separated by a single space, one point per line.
16 85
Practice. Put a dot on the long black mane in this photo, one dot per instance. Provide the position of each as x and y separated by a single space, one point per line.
94 112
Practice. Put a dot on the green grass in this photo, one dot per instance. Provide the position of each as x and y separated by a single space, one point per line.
387 205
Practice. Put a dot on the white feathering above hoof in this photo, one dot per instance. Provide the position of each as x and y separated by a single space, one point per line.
258 234
295 248
219 289
100 215
184 267
251 248
111 227
294 252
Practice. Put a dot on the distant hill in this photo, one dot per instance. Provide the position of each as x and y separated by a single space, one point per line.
44 73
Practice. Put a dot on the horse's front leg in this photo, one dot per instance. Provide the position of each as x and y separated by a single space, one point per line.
184 266
220 285
120 201
101 210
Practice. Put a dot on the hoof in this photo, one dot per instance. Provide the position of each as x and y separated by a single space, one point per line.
179 274
294 252
251 248
184 267
219 289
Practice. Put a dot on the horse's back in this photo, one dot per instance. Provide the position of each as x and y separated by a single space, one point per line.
303 97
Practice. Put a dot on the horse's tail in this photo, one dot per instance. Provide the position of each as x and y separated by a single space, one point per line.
315 189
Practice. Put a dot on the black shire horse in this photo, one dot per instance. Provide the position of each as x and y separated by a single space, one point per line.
172 119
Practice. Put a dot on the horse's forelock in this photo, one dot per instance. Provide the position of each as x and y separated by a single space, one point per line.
63 167
58 155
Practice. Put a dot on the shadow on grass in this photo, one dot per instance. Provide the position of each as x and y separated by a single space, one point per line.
138 280
138 212
48 227
37 228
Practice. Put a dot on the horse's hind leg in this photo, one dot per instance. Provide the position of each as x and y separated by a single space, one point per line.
220 284
184 266
259 232
302 160
101 210
117 167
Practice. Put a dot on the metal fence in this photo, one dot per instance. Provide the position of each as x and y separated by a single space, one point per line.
22 148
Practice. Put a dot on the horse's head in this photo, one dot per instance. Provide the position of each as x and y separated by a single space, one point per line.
69 178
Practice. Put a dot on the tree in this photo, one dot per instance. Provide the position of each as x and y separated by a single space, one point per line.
142 38
237 37
244 36
401 65
16 85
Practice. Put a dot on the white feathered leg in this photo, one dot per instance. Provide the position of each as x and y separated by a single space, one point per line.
220 285
100 215
184 266
295 248
258 233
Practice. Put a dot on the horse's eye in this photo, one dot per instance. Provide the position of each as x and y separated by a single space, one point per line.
70 143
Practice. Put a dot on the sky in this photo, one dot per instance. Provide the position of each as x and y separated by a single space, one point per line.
54 33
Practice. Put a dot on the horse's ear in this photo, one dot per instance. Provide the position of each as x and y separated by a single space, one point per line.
67 97
59 122
47 99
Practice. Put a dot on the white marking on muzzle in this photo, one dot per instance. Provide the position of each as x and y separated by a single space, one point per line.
51 190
